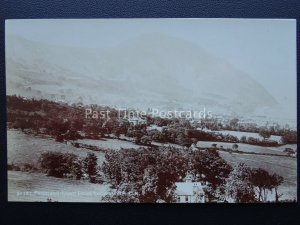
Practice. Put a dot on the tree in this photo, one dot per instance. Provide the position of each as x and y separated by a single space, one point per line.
289 151
117 130
276 180
239 186
215 170
146 140
265 181
260 178
234 122
58 164
289 137
253 141
149 188
144 175
264 133
112 167
183 140
235 146
76 169
243 139
90 166
214 145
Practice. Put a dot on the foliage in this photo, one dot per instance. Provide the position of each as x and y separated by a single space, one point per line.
212 169
70 124
146 175
264 181
90 166
58 164
239 186
69 165
264 133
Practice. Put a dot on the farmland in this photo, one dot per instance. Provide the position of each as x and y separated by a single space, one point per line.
240 134
23 148
24 186
108 143
248 148
284 166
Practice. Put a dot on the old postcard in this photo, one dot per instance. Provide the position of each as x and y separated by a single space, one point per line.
151 110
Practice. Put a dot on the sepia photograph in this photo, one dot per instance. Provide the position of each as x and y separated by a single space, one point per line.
162 110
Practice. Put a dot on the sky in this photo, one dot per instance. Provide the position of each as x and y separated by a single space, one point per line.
264 49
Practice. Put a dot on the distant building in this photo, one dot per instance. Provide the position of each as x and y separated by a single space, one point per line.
194 147
194 123
189 192
137 121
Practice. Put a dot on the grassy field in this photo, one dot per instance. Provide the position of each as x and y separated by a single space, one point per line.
107 143
247 147
240 134
284 166
23 148
24 186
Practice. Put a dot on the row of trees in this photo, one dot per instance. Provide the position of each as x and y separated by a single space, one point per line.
289 136
246 185
142 175
149 174
236 125
62 165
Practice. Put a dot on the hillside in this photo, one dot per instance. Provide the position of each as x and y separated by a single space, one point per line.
154 70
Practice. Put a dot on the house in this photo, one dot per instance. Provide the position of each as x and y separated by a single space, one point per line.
189 192
137 121
194 147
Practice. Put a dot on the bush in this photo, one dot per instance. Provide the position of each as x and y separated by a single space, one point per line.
28 168
13 167
289 151
289 137
90 166
61 164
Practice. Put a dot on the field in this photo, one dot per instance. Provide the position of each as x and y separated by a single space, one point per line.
247 147
23 148
107 143
240 134
24 186
284 166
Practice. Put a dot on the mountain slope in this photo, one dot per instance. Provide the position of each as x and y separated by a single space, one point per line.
151 71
